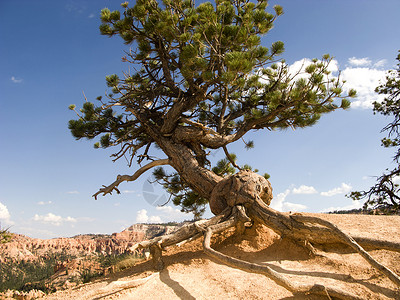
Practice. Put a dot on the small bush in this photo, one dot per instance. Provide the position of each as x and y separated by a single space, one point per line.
127 263
5 235
87 275
119 262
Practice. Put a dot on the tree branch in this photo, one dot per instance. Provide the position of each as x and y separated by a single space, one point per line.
229 157
121 178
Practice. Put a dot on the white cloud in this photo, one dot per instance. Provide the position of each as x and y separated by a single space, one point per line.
343 189
5 214
354 205
277 202
396 179
364 81
16 80
168 209
142 217
380 63
44 203
297 69
165 214
170 214
280 204
359 62
304 189
53 219
91 16
155 219
300 66
362 75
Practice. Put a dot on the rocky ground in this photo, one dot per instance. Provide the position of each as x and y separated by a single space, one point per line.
190 274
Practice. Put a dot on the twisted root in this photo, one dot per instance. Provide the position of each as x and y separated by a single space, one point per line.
297 224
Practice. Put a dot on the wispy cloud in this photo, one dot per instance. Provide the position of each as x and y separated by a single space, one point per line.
73 192
53 219
380 63
40 233
129 191
44 203
343 189
354 205
16 80
75 7
91 16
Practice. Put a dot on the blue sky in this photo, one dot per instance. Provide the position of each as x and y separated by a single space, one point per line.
52 53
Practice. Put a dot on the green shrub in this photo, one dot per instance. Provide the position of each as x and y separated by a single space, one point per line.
21 275
5 235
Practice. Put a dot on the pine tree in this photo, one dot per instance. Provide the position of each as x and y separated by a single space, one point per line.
201 80
385 194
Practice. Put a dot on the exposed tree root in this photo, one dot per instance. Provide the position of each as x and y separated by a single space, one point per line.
311 230
184 233
352 243
315 289
287 226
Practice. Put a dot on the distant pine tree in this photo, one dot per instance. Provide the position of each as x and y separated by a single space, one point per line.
5 235
385 194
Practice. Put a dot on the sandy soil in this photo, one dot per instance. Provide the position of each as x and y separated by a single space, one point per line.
190 274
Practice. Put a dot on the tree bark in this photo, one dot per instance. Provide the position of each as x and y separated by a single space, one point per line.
181 158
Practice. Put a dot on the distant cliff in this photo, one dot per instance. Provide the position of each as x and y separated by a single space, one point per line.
23 248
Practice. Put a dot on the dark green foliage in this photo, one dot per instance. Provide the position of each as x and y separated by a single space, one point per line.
180 192
115 262
385 194
203 67
5 235
86 275
15 275
224 166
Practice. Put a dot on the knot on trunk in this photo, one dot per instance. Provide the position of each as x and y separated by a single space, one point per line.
240 188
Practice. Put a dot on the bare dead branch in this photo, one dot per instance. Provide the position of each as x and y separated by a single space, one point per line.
121 178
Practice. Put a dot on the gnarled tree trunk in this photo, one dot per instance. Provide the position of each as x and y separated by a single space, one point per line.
245 197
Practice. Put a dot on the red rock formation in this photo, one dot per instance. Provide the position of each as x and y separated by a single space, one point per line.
29 249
